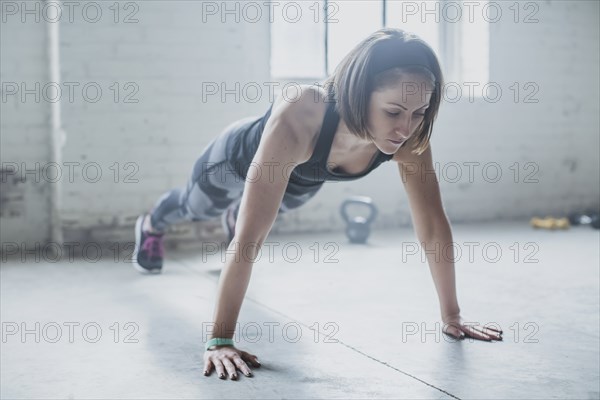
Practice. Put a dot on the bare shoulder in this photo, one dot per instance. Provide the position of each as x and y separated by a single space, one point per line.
300 110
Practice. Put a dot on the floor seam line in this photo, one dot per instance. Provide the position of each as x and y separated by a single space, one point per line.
258 303
356 350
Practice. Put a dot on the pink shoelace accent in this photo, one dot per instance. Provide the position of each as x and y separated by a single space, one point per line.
153 245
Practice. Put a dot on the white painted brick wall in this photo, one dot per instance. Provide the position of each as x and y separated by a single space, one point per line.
24 134
168 55
170 52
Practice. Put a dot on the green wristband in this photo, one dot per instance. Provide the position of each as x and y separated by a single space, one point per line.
218 342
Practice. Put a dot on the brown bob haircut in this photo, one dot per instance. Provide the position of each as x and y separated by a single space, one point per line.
377 62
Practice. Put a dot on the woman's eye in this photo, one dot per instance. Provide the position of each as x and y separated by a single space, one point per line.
398 113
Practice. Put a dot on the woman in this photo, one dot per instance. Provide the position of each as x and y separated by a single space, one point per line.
379 105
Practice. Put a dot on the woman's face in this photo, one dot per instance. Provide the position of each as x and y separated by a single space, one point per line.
397 110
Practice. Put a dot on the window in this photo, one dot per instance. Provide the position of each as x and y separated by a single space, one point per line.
418 17
297 40
474 53
313 46
349 23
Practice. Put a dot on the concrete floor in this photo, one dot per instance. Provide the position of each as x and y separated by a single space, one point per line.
545 297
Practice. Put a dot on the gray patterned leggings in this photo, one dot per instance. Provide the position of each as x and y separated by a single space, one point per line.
213 186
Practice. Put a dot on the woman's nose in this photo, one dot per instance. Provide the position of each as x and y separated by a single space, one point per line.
401 136
403 129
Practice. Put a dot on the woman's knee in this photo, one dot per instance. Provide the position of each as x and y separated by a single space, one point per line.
204 204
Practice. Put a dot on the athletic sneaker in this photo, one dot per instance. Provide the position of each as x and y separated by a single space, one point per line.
228 220
149 249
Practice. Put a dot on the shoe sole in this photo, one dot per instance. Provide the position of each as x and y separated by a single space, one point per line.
138 239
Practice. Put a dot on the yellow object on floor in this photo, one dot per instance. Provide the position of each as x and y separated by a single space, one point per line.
550 223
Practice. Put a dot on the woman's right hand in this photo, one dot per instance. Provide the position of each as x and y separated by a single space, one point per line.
227 360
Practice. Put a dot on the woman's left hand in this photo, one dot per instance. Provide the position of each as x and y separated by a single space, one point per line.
459 328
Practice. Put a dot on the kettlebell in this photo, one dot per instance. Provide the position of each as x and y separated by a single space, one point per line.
358 228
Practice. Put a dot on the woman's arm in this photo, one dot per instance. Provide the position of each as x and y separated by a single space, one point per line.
286 141
431 224
435 236
263 192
